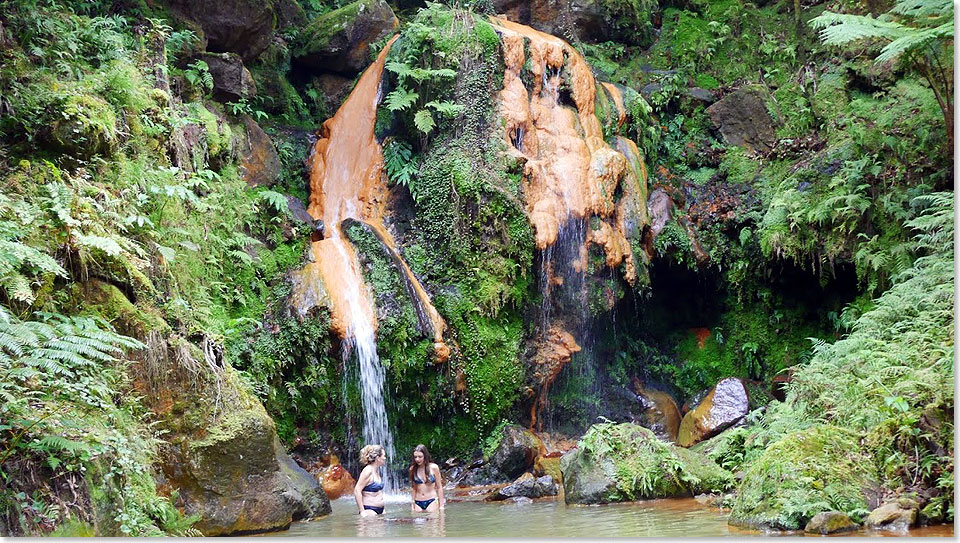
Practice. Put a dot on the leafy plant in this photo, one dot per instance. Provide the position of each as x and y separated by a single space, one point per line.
919 32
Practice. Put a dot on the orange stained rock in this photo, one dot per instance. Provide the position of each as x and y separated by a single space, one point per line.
346 181
618 100
554 352
569 170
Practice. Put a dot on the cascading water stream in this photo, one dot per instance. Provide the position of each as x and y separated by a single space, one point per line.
346 182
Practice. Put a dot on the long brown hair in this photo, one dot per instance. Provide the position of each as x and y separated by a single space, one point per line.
426 463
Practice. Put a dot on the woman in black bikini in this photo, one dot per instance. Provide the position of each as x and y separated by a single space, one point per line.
369 488
425 481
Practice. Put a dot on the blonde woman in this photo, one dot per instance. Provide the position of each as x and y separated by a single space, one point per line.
369 488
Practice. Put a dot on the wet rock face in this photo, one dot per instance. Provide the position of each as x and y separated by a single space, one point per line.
231 79
725 405
743 119
239 479
830 522
516 453
259 162
244 27
895 516
659 413
339 41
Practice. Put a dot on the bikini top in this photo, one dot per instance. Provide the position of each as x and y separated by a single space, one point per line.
374 486
419 481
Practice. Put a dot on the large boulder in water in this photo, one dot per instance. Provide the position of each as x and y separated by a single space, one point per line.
804 473
743 118
239 479
625 462
244 27
339 41
895 516
515 454
725 405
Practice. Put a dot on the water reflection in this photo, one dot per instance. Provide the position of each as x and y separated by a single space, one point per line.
659 518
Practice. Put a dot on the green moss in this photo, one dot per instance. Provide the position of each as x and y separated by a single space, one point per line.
820 469
645 467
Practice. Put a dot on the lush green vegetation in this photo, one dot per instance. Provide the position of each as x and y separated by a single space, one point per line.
143 290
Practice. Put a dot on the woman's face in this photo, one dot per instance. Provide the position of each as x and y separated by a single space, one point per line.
418 457
382 459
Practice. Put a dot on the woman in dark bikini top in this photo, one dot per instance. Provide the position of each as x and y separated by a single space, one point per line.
369 488
425 482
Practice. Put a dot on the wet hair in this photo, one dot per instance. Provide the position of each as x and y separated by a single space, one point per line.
370 453
426 462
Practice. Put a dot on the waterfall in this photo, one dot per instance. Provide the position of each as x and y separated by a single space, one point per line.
347 182
571 179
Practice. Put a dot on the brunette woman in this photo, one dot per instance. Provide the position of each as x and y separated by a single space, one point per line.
425 483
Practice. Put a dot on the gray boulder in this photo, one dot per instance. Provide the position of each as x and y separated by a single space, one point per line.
744 119
231 79
244 27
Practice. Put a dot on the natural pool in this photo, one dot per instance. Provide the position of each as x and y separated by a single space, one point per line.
552 518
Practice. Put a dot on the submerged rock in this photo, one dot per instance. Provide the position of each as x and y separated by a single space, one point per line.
743 119
725 405
527 486
830 522
623 462
339 41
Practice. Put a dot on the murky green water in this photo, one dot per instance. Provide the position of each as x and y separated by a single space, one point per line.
659 518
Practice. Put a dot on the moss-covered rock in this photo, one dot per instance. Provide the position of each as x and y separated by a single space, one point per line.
823 468
830 522
87 127
623 462
236 475
339 41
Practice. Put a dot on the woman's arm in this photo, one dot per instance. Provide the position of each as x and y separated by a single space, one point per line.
439 483
358 488
413 491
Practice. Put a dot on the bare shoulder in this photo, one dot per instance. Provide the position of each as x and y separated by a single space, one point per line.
434 467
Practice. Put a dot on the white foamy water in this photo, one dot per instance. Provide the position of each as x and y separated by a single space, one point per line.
361 342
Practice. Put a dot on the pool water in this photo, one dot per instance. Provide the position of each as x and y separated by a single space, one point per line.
549 518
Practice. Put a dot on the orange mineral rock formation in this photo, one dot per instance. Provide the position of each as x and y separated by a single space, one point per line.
569 170
346 181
